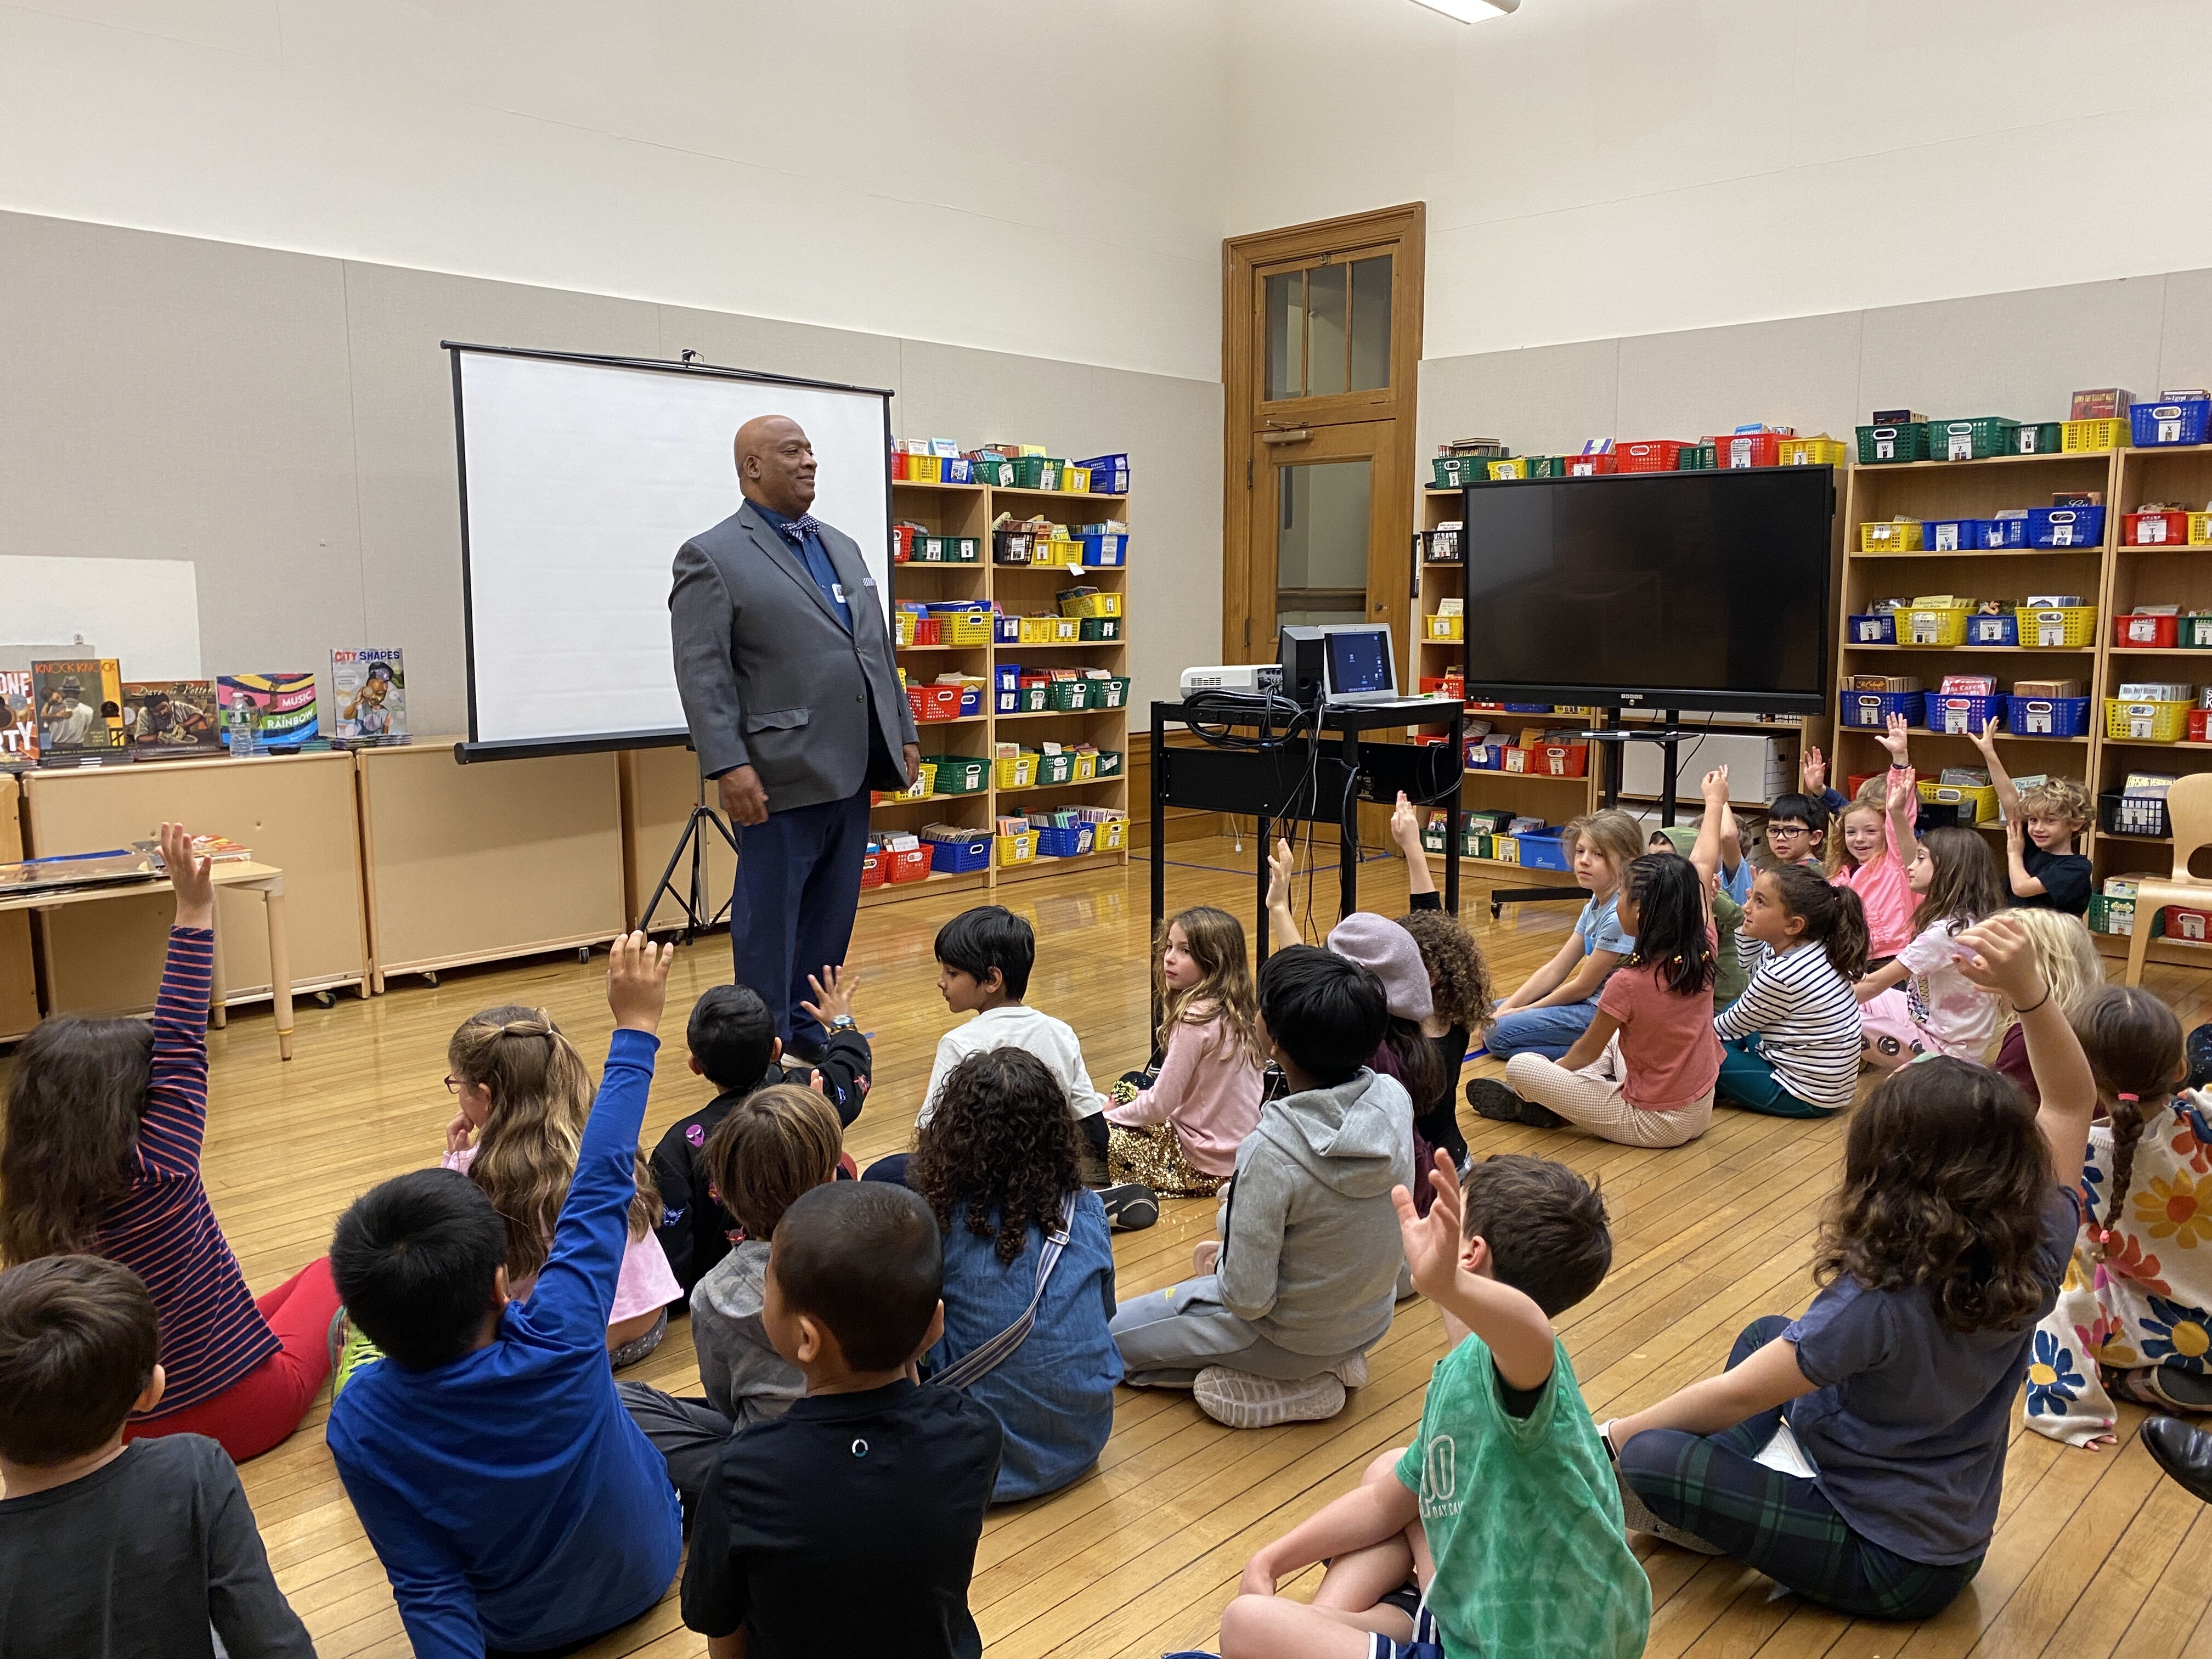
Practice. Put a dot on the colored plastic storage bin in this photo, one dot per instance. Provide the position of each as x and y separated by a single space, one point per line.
1659 455
1098 630
2145 722
1454 472
1561 760
1870 710
1023 700
1113 834
1528 466
994 469
2185 420
2089 437
2194 632
1977 802
2047 717
1109 474
1071 843
1881 444
2001 532
958 858
874 866
2200 725
960 774
1440 546
1011 546
1091 605
2067 626
2002 628
1005 629
1585 466
1874 628
1543 851
923 468
2160 529
906 864
1067 695
1934 625
1017 771
1891 536
2154 632
2039 438
935 702
1056 769
1110 693
956 469
1960 714
2122 814
2115 916
1976 439
923 786
1109 762
1950 535
1036 472
1017 849
1442 628
2065 526
1740 449
1108 550
1696 458
971 700
1075 480
967 628
1814 452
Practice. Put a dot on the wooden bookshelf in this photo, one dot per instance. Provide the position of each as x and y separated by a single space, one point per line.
1021 590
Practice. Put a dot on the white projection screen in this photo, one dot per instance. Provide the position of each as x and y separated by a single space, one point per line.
581 477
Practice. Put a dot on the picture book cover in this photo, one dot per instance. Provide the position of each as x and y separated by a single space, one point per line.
80 703
272 709
370 687
19 725
172 720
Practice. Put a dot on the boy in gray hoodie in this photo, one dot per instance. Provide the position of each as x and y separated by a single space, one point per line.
1310 1250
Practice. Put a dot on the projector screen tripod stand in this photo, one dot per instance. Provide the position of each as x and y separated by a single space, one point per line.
693 899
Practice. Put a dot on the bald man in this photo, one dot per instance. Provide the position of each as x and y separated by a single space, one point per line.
793 701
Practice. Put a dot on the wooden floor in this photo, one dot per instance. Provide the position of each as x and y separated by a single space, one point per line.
2096 1553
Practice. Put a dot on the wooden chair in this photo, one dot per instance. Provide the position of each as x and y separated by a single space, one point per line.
2189 816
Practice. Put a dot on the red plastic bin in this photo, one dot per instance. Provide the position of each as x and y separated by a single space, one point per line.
928 630
1659 455
901 534
906 864
1589 466
2200 725
1746 449
935 702
2155 632
1561 760
2154 529
874 867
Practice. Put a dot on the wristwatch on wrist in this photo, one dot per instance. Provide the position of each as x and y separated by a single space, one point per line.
843 1022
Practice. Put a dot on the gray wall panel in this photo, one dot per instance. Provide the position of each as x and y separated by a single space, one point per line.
1800 372
1545 400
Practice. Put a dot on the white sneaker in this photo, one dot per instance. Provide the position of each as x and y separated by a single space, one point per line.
1353 1372
1238 1399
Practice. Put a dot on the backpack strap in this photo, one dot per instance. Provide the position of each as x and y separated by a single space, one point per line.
978 1363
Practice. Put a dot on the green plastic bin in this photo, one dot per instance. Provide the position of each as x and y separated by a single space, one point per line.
1974 438
1100 628
959 775
1879 446
1036 472
2039 438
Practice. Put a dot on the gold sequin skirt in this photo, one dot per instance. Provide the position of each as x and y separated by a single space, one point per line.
1153 1155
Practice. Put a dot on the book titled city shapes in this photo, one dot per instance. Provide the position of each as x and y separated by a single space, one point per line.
273 711
19 720
79 710
172 720
369 687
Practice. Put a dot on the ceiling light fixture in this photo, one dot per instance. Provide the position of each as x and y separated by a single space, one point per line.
1471 11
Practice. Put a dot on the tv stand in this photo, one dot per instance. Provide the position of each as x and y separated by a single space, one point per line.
1668 737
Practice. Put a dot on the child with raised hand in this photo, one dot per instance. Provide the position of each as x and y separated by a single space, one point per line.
1000 1165
1178 1132
524 1093
1556 1004
1870 841
771 1147
1790 1043
2073 970
2135 1313
848 1525
1729 974
733 1044
1459 998
2042 823
1942 1248
1921 1003
514 1504
1504 1507
109 1547
101 1156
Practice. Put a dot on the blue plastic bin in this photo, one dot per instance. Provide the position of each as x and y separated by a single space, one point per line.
1874 628
1065 844
2048 717
971 701
1110 548
1008 627
1950 535
1959 713
1870 710
1547 851
1006 675
2001 532
2003 629
2066 526
958 857
2187 421
1109 474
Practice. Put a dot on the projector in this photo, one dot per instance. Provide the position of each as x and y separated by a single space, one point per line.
1263 676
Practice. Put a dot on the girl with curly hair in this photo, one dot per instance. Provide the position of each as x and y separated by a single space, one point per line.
999 1162
2135 1318
1942 1248
1460 996
1177 1131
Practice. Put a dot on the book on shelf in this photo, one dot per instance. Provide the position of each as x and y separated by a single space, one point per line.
369 687
80 709
172 720
19 722
274 710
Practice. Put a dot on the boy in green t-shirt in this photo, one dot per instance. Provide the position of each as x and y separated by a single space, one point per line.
1505 1507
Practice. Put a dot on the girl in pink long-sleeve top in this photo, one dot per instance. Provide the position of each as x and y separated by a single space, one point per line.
1873 845
1178 1135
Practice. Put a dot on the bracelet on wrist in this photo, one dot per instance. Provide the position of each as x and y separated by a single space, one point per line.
2033 1006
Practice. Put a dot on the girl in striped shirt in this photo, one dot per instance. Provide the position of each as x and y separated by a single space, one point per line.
1789 1044
102 1157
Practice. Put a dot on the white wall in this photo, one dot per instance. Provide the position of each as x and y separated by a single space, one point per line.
1041 178
1596 168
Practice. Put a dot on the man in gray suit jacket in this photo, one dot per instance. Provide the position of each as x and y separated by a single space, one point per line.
789 688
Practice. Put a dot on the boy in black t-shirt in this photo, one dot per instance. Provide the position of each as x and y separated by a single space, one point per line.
848 1525
2041 821
109 1550
734 1047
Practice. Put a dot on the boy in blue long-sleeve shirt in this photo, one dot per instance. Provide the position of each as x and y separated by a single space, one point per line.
515 1506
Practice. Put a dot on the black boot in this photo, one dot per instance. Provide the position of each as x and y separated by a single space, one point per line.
2184 1451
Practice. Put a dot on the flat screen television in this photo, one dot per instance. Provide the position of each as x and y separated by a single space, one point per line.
1659 590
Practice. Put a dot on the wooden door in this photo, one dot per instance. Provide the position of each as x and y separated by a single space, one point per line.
1324 544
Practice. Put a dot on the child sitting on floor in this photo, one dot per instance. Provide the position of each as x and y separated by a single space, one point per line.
1872 842
2073 970
771 1146
1730 976
1944 1248
1556 1003
1178 1133
734 1047
1310 1254
1027 1256
513 1502
2132 1320
524 1093
1921 1004
1502 1508
101 1156
1459 1000
109 1547
2042 823
848 1525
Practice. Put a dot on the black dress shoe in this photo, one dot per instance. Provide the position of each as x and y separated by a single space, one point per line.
2184 1451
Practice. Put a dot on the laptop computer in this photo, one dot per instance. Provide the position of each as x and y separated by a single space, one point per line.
1357 666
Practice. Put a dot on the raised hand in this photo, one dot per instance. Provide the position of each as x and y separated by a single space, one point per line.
1896 739
1813 770
1901 787
637 981
1984 738
1281 864
1715 784
833 993
1998 955
191 877
1432 1241
1405 827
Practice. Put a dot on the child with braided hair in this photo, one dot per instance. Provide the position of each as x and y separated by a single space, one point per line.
2132 1320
